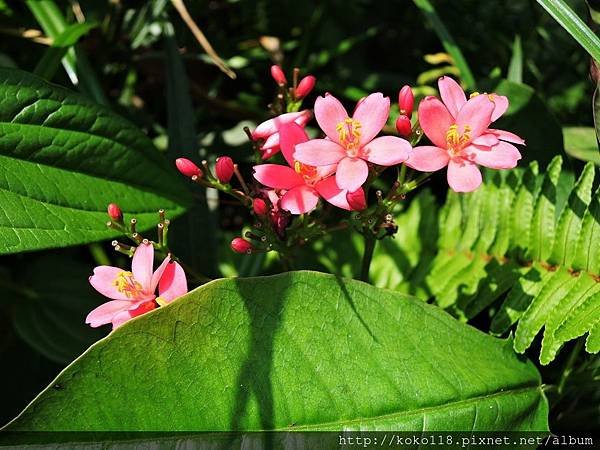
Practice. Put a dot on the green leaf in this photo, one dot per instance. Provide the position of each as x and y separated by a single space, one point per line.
576 27
296 351
515 68
63 159
542 225
47 66
448 42
581 143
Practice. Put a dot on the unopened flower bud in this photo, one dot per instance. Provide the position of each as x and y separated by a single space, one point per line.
357 200
240 245
403 126
406 101
305 86
260 207
278 74
187 167
115 213
224 169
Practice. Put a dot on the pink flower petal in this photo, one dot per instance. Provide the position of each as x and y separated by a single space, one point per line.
501 156
277 176
427 158
372 113
500 105
104 313
486 139
142 266
435 120
120 318
158 273
324 171
329 112
291 134
319 152
329 190
452 95
387 150
463 175
507 136
268 127
351 173
173 283
103 281
300 200
476 115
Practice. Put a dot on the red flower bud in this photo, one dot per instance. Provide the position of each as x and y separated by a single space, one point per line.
240 245
406 101
305 86
357 200
187 167
403 126
224 169
115 213
260 207
278 74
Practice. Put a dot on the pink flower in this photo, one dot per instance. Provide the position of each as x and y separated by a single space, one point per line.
350 142
459 130
269 130
304 184
133 293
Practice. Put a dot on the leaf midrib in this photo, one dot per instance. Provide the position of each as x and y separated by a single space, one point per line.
399 414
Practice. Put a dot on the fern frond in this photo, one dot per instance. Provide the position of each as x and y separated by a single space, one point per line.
532 238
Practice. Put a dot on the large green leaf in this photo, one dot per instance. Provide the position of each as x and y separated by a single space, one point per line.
63 159
296 351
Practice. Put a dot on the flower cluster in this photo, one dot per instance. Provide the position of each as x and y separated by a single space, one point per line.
340 166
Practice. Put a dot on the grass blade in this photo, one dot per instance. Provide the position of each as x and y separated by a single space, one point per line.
447 41
573 24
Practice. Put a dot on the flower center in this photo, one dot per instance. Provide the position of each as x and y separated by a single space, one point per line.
349 134
455 140
490 96
309 173
127 285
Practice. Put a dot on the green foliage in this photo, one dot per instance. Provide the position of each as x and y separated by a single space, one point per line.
582 143
533 237
63 159
576 27
529 116
50 314
296 351
448 41
47 66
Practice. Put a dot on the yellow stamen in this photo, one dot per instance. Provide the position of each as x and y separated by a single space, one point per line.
474 94
349 132
126 284
455 140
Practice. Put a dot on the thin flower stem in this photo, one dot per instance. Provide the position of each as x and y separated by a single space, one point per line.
367 256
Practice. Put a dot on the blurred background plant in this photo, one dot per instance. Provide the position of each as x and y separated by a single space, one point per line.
194 75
